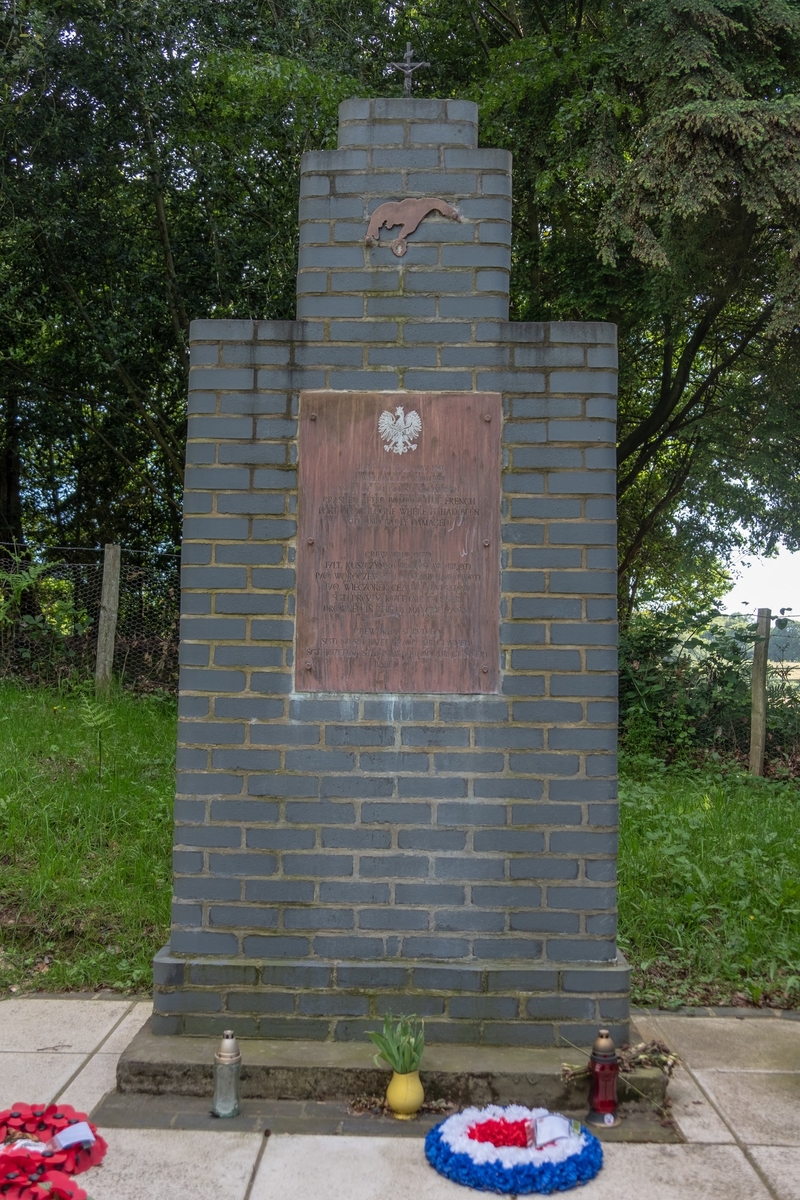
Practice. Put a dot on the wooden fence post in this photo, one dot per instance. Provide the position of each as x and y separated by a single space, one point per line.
107 626
758 704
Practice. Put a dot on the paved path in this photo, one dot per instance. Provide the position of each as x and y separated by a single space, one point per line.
736 1100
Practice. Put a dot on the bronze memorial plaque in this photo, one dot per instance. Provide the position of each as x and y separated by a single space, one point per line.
398 546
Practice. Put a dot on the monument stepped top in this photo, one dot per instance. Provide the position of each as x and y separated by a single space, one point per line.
381 108
407 121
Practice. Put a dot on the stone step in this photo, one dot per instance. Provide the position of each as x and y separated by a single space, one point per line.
298 1070
139 1111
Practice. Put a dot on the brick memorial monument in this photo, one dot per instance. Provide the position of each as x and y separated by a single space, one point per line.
396 772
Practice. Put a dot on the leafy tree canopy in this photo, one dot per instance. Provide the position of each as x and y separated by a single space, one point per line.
149 174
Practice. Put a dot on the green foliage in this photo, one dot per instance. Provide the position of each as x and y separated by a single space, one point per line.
656 178
685 685
709 864
709 893
400 1044
99 718
784 642
14 585
85 884
149 174
41 624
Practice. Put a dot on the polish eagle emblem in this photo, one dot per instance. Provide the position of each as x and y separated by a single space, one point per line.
400 431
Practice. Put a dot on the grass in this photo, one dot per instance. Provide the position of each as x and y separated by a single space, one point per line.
709 884
709 859
85 837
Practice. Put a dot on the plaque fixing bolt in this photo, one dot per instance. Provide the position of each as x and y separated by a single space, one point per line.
486 543
310 542
485 669
308 666
313 417
487 417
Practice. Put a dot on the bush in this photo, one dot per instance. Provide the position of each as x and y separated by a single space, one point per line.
45 631
685 686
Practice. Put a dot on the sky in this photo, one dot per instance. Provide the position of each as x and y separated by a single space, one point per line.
766 583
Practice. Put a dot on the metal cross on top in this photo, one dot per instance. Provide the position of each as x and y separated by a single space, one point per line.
407 67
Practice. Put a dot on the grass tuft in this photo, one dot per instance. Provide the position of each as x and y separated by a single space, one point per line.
709 893
709 859
86 793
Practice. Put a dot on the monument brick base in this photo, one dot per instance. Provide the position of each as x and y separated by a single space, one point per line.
498 1005
404 796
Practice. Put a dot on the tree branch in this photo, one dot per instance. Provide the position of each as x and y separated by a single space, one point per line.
681 418
501 21
141 477
687 414
479 31
162 440
180 318
541 18
669 401
514 17
672 493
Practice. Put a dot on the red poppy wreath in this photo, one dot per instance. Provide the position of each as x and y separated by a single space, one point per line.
69 1145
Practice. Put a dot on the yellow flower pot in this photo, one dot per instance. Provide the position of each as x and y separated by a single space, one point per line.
404 1095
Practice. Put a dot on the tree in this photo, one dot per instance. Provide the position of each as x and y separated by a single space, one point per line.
658 181
149 173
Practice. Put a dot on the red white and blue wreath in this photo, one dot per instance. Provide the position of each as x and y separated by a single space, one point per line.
495 1149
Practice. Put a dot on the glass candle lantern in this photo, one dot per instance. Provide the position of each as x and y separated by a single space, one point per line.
227 1069
603 1074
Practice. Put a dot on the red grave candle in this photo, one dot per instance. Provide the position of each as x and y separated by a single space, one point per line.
604 1070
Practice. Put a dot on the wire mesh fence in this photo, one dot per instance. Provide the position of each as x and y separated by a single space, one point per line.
50 602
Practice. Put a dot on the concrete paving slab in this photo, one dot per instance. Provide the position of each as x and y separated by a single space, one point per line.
642 1126
128 1027
762 1107
782 1169
332 1168
95 1080
329 1168
675 1173
645 1029
35 1078
74 1026
156 1164
694 1116
723 1042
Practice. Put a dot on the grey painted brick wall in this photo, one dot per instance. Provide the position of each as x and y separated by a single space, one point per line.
461 849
